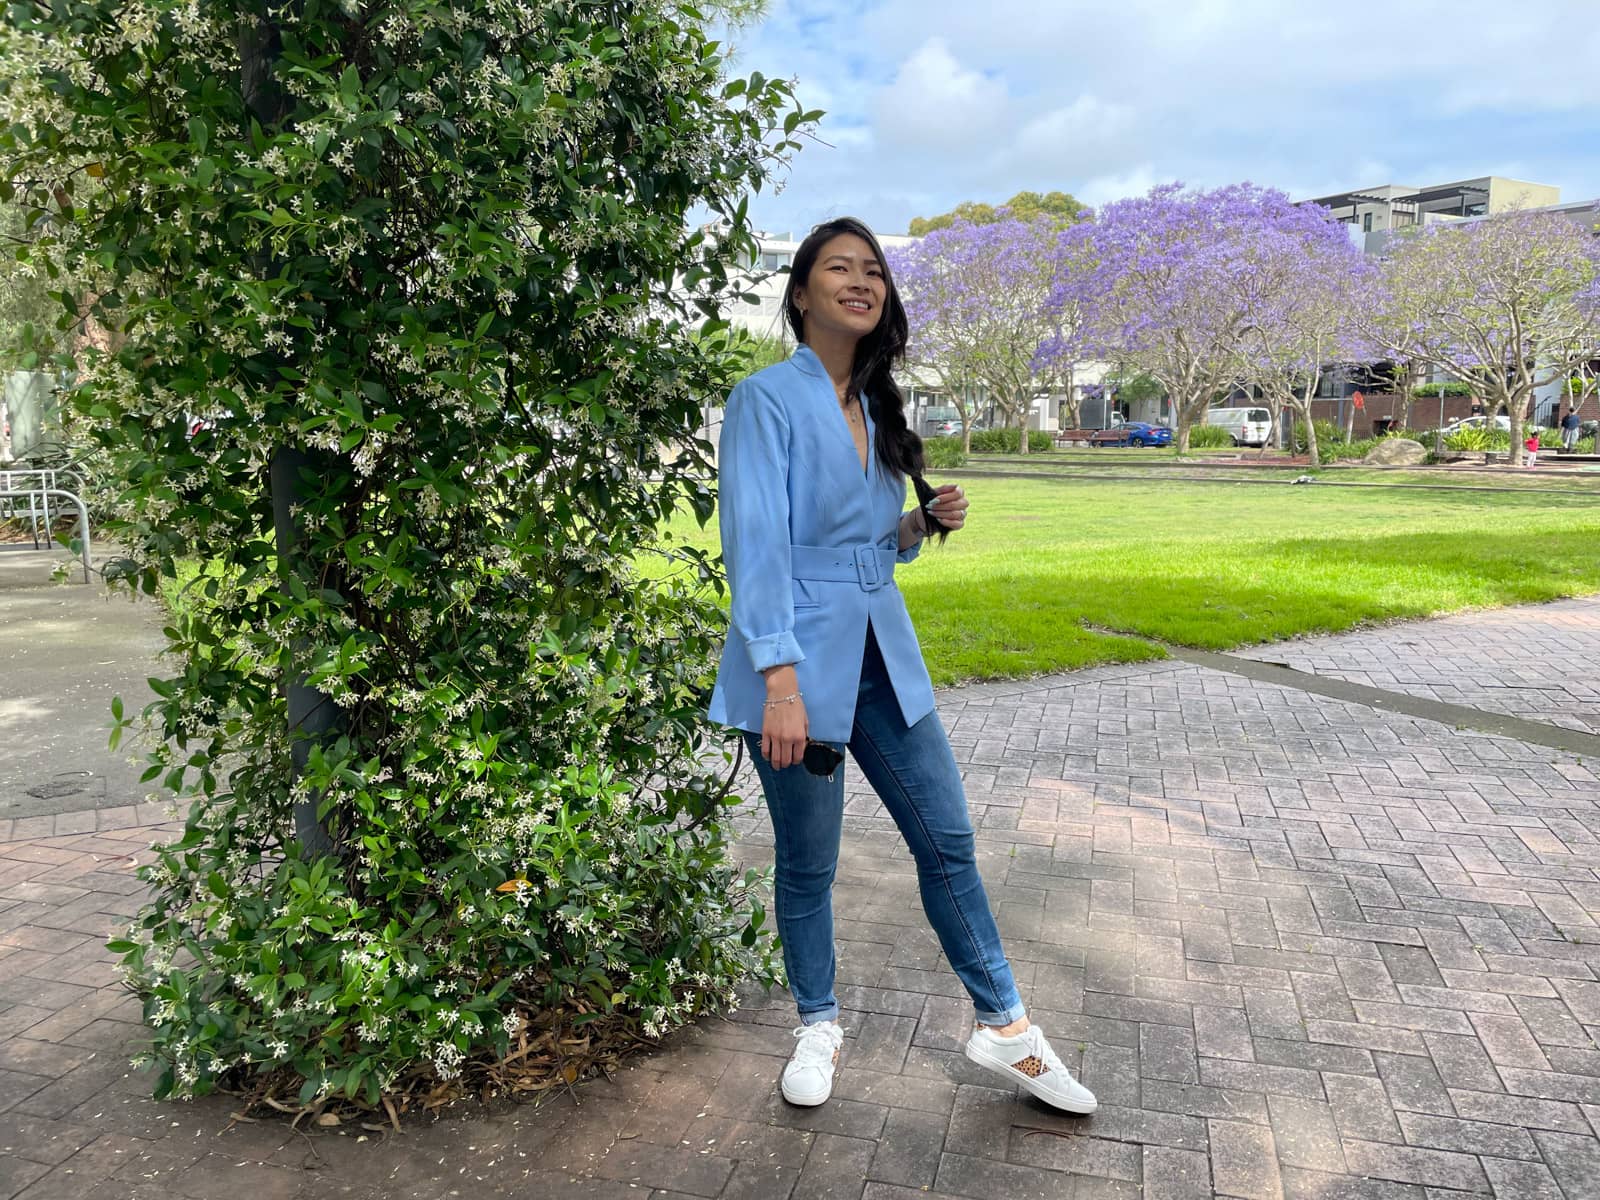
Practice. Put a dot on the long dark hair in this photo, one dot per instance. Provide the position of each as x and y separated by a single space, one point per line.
896 444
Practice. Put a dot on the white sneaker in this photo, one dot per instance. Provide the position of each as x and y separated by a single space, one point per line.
808 1079
1026 1058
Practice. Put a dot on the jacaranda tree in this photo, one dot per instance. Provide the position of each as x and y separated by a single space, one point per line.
1509 304
1158 294
1296 274
976 296
429 260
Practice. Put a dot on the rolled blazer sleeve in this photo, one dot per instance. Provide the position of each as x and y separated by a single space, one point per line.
753 507
911 551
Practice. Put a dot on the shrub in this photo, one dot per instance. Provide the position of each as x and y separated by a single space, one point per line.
1205 437
436 278
1450 387
1478 438
944 452
1345 451
1327 434
1006 441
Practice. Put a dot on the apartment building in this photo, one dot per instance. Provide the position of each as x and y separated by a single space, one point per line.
1375 213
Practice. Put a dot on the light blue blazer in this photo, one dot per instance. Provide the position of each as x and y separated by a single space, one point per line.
810 544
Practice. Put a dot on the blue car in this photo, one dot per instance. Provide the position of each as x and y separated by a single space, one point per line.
1132 433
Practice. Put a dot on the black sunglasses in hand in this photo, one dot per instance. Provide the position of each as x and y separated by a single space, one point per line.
821 758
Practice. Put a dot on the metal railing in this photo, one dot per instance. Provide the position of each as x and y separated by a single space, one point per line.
43 491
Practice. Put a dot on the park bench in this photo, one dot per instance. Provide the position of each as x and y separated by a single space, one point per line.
45 492
1072 437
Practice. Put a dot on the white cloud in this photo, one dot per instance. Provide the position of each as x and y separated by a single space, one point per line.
936 103
932 102
1103 189
1076 139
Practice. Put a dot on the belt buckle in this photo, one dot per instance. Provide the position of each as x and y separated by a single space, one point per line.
868 568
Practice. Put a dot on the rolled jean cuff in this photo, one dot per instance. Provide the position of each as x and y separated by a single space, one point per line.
830 1013
1015 1013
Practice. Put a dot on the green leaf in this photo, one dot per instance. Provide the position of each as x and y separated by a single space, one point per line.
350 86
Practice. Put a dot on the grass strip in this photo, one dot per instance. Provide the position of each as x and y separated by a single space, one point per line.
1215 568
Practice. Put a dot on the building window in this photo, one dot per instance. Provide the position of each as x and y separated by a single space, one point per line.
771 261
1366 222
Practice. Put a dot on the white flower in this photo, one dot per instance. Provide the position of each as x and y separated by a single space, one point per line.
447 1061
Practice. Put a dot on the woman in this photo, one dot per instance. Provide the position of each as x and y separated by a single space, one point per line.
821 655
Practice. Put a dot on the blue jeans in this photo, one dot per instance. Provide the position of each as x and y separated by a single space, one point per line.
915 774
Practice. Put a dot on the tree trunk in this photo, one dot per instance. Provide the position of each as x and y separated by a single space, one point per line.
1022 430
313 717
1405 379
1301 404
1514 406
1180 437
1275 407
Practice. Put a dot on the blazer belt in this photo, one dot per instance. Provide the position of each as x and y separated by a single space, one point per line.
868 565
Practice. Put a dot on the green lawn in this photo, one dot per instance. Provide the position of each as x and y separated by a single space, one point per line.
1044 567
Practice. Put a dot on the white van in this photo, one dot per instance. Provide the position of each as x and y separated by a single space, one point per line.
1247 426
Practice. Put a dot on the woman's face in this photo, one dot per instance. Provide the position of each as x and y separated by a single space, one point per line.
846 290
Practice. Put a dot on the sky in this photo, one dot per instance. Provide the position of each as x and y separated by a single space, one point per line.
932 102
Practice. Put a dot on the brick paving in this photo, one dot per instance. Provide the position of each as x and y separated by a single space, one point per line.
1546 668
1301 948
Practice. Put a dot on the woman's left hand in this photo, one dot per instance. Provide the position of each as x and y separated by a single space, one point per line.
950 505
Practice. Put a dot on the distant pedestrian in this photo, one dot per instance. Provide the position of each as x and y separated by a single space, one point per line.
1532 447
1570 425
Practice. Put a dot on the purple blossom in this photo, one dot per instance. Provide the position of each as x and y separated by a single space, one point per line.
977 297
1179 281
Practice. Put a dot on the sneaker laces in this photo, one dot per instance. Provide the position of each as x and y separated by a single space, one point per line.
1043 1051
816 1044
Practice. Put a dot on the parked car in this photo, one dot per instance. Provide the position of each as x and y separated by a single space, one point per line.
1247 426
1478 422
1132 433
941 421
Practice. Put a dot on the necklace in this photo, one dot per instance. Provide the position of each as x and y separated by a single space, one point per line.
851 406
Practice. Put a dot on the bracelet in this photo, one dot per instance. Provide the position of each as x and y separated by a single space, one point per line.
783 700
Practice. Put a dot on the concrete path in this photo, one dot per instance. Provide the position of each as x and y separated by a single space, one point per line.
65 650
1302 948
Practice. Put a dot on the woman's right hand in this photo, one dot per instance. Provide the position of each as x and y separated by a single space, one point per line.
784 726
